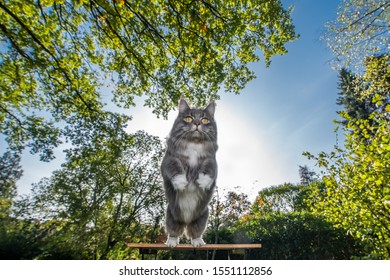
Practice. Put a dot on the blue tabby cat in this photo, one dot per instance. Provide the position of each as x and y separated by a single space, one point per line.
189 171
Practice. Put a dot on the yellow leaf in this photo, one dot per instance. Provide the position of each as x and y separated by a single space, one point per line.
203 28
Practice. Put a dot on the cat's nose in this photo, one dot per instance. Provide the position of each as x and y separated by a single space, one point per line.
196 122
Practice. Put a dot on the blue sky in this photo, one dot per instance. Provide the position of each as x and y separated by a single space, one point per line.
289 108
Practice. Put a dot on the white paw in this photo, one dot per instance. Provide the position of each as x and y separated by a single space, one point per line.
197 242
172 242
179 182
204 181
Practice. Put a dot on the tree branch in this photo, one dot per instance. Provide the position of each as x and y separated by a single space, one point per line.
124 45
13 42
36 39
12 115
365 15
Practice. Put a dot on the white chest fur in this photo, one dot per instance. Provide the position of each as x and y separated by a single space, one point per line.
188 202
193 152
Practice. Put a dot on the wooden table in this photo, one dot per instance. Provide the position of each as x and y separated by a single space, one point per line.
150 248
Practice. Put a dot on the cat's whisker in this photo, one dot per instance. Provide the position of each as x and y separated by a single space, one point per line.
180 138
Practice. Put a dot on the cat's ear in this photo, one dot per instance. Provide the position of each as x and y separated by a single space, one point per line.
211 108
183 106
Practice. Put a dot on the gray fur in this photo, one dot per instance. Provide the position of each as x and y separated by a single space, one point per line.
189 171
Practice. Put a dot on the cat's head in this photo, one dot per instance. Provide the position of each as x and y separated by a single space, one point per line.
194 124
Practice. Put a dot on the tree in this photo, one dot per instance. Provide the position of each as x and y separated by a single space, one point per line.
357 191
279 199
10 172
224 217
58 57
19 239
102 197
299 236
353 105
282 222
306 176
361 30
224 214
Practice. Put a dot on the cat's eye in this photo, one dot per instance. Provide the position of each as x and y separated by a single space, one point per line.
205 120
188 119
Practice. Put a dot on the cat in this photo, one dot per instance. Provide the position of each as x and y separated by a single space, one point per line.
189 171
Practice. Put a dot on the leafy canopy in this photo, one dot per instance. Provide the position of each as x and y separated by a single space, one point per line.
356 196
360 30
101 197
64 59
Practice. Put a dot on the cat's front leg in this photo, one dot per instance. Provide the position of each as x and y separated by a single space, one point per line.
207 174
179 182
173 171
204 181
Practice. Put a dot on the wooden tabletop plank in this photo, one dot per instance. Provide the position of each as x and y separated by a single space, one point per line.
161 246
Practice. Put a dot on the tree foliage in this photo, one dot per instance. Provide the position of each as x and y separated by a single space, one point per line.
357 177
65 59
100 199
280 219
306 175
224 215
360 30
279 199
356 107
355 196
299 236
227 211
10 172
